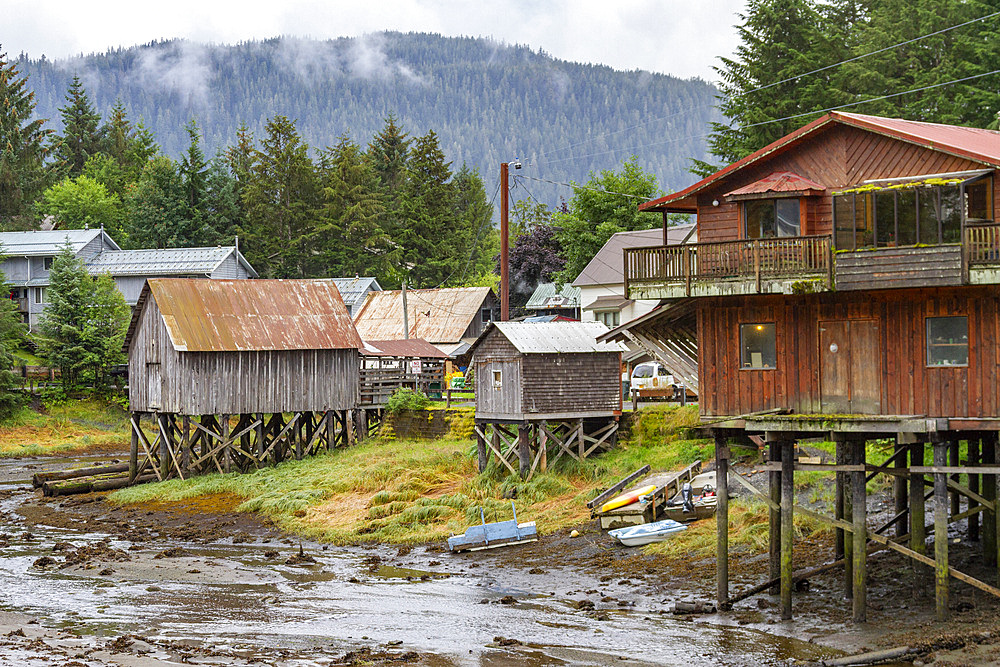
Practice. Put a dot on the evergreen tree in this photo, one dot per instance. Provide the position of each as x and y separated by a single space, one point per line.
12 334
104 330
132 146
280 201
349 230
606 204
157 214
429 217
81 138
62 326
24 147
473 242
222 209
193 169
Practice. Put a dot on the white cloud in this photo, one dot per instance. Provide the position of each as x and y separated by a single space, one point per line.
680 37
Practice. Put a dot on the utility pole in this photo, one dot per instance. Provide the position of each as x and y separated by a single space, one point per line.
504 246
406 317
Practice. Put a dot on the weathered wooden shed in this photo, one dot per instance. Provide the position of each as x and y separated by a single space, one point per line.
552 381
221 364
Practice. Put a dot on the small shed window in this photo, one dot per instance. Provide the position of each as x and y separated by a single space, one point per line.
948 341
497 379
757 345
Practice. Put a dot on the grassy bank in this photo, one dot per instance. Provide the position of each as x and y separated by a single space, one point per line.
76 426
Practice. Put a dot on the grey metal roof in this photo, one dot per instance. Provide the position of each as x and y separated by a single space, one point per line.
608 265
163 262
41 243
555 337
545 296
354 289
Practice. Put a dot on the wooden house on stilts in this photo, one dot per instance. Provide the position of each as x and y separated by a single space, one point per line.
845 284
237 374
541 386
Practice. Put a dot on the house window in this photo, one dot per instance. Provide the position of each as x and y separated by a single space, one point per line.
768 218
757 345
486 315
930 211
948 341
497 379
41 295
47 263
611 318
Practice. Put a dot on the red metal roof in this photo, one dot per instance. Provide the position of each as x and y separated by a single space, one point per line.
779 181
968 142
411 347
250 315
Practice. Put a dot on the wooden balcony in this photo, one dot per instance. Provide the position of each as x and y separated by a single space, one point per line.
981 254
747 266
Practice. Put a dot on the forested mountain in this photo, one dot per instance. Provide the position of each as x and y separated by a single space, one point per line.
486 101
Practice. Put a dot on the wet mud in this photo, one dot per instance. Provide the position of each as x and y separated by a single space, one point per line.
195 582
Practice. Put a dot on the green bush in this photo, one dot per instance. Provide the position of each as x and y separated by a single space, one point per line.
407 399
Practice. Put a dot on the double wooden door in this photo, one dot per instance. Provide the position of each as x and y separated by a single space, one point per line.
850 367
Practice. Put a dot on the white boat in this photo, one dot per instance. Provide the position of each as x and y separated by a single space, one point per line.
697 499
647 533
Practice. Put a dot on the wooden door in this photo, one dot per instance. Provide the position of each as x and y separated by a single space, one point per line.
850 367
155 386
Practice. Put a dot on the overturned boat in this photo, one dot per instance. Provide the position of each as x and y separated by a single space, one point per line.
491 535
647 533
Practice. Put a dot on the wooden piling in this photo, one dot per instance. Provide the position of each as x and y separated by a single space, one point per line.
135 419
774 515
848 448
787 528
953 460
859 510
722 522
186 445
482 451
838 500
989 532
918 535
164 425
941 532
899 492
973 526
523 450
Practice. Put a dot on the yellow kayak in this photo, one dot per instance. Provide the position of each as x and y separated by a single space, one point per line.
627 498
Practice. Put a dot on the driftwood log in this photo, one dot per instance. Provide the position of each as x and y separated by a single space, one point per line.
70 487
870 658
40 478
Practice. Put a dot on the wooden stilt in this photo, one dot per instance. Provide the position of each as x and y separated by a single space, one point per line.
953 460
260 446
849 451
482 451
164 425
787 528
859 510
899 492
523 450
941 532
349 429
838 500
918 535
186 445
774 515
974 486
989 532
722 522
227 450
133 457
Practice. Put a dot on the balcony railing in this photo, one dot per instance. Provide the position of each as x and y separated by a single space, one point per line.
982 245
756 259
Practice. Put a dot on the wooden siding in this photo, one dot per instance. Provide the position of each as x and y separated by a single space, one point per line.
496 353
836 158
907 386
195 383
933 266
578 382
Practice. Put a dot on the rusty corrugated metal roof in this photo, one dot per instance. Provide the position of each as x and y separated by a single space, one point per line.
436 315
251 315
968 142
779 181
413 347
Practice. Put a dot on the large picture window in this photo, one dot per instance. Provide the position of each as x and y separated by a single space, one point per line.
769 218
930 211
948 341
757 345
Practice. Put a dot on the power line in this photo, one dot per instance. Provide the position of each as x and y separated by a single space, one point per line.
779 120
583 187
764 87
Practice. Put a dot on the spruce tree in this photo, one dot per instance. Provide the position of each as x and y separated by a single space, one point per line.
62 326
12 334
81 138
24 147
104 329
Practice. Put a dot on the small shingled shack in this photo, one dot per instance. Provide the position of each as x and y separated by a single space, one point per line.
551 379
240 355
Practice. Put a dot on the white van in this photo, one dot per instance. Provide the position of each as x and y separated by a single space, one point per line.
650 375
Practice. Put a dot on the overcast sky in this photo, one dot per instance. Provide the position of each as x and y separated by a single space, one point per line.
679 37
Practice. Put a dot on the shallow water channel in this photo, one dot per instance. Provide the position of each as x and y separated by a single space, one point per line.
231 597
